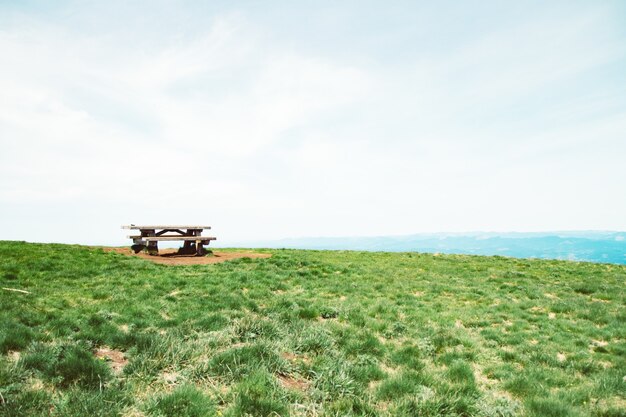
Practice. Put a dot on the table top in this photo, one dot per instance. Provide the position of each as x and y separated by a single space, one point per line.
164 227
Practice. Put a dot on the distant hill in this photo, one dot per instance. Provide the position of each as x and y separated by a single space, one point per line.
592 246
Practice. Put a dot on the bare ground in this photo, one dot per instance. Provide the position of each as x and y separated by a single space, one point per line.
115 357
171 257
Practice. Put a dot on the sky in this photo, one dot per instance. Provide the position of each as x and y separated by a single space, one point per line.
271 119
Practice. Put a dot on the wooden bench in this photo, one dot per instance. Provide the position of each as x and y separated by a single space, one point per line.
150 236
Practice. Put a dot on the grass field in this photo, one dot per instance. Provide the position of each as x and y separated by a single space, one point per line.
307 333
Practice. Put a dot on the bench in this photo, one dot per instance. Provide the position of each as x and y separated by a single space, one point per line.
150 236
185 238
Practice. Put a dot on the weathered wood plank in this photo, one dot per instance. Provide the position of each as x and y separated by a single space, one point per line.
157 238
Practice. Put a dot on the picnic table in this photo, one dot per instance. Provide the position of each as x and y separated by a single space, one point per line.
150 236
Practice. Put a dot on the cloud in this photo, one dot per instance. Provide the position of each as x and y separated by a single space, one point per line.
270 132
88 126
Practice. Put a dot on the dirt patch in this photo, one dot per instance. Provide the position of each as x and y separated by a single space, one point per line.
292 357
293 384
482 379
170 377
116 358
171 257
289 356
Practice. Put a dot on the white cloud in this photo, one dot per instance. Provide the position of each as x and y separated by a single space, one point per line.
497 131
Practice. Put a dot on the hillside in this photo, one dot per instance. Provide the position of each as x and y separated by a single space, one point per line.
309 333
591 246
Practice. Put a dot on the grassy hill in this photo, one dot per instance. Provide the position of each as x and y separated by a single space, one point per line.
592 246
309 333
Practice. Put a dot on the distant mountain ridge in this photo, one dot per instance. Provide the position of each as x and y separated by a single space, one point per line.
590 246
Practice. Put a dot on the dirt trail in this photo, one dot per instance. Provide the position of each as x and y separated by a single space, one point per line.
170 256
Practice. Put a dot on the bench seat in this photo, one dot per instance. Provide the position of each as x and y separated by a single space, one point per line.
166 238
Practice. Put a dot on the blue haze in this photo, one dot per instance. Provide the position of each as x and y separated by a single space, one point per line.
590 246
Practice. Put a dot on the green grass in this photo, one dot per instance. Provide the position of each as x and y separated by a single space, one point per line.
310 333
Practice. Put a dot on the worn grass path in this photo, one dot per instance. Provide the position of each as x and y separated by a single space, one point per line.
309 333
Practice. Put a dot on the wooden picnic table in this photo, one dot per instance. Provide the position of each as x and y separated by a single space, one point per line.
150 236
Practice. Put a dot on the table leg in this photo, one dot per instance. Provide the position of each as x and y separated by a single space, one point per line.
188 247
153 246
199 248
138 247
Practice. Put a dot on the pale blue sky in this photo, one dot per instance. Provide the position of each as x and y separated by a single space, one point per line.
286 119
